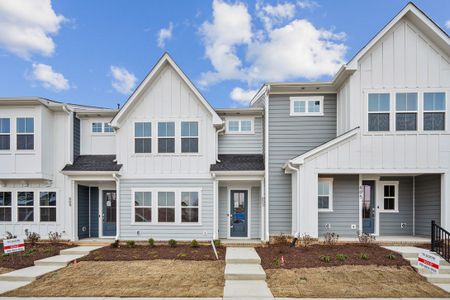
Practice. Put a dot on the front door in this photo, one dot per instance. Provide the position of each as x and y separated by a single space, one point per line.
368 206
109 213
239 213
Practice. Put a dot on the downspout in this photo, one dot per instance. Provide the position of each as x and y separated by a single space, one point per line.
291 167
117 180
217 140
69 132
266 161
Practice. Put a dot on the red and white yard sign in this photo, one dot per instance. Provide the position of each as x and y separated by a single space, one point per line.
13 245
428 262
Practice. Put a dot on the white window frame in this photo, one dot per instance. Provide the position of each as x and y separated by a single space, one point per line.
25 133
175 136
434 111
92 127
389 112
240 120
189 136
8 206
330 194
152 147
7 134
197 207
106 124
406 111
166 206
381 197
36 216
134 191
306 99
47 206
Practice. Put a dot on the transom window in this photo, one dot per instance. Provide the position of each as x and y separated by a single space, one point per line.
166 207
97 127
189 207
379 112
5 206
390 196
5 132
406 111
25 133
240 126
189 137
142 137
25 206
143 207
166 137
434 111
325 194
47 203
307 106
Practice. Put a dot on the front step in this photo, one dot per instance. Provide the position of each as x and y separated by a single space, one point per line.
244 272
246 288
58 260
437 278
242 256
28 274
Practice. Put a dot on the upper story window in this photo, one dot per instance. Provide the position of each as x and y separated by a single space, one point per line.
406 111
306 106
107 127
379 112
240 126
47 203
189 137
5 206
434 111
325 194
97 127
25 133
5 133
142 137
166 137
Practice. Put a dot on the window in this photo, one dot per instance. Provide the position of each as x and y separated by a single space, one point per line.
5 132
25 206
379 112
143 207
434 111
47 203
189 137
166 137
25 133
189 207
307 106
325 194
166 207
390 197
240 126
107 127
406 111
5 206
97 127
142 137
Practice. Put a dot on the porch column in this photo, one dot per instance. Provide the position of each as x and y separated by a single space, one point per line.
215 209
445 200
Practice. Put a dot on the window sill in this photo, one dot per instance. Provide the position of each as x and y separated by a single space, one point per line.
163 224
306 114
240 133
325 210
389 211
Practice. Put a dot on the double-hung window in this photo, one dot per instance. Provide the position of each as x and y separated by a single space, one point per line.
434 111
379 112
142 137
240 126
189 207
390 196
166 207
25 206
97 127
325 194
189 137
306 106
5 206
47 203
5 133
166 137
406 112
25 133
143 207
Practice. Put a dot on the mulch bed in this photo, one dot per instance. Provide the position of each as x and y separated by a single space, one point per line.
141 252
25 259
272 257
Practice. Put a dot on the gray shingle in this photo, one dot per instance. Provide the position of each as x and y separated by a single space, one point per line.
94 163
239 162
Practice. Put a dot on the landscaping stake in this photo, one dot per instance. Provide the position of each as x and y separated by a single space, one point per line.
214 248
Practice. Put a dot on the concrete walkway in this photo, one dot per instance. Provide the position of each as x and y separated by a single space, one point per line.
18 278
244 276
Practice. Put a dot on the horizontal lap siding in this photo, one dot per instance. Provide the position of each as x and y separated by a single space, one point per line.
345 207
166 232
223 212
288 138
428 202
243 143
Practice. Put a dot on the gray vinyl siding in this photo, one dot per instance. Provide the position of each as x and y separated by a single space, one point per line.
288 138
223 212
243 143
390 222
345 207
76 136
129 231
428 202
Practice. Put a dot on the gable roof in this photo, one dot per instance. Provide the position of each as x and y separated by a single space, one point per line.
162 62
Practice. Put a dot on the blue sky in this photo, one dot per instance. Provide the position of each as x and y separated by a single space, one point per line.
96 52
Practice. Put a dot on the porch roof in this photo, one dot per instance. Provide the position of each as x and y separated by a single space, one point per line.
94 163
239 162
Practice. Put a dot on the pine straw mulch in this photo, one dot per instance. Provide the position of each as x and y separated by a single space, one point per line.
150 278
351 282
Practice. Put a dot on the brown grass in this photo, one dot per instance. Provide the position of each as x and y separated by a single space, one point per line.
351 282
155 278
5 270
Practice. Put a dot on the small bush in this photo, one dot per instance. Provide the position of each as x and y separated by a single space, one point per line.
306 240
325 258
26 254
9 235
341 257
115 244
391 256
363 256
54 237
32 237
365 238
331 238
280 239
217 243
5 254
172 243
182 254
131 244
151 242
194 244
277 262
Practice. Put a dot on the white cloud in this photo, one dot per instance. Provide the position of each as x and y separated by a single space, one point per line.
27 26
307 4
49 78
447 24
274 14
242 96
123 81
164 34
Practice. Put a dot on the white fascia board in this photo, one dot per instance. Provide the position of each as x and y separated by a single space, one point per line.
89 173
239 173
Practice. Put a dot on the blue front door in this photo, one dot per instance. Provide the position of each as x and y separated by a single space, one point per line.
109 213
368 206
239 213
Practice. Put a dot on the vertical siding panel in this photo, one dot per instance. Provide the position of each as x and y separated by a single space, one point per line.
399 56
411 58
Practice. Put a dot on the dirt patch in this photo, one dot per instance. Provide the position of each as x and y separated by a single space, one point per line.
141 252
314 256
351 282
25 259
154 278
5 270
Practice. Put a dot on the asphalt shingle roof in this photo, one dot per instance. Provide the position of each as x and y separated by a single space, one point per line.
94 163
239 162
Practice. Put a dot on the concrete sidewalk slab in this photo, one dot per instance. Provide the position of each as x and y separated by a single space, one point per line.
80 250
242 256
58 260
244 272
28 274
247 289
6 286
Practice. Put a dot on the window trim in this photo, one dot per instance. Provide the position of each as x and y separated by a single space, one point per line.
240 120
150 137
54 207
396 112
27 133
9 134
330 181
381 197
10 207
306 99
190 136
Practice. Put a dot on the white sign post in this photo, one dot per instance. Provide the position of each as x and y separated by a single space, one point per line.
429 262
13 245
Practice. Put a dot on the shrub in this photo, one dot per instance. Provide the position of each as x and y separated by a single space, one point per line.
194 244
32 237
341 257
151 242
280 239
364 256
277 261
331 238
217 243
131 244
391 256
54 237
9 235
325 258
115 244
5 254
306 240
365 238
172 243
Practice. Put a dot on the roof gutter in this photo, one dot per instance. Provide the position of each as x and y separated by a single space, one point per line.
69 112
